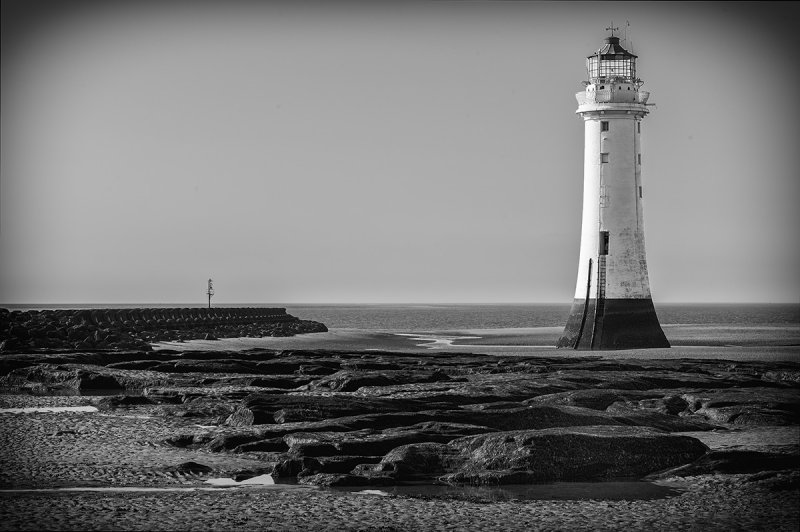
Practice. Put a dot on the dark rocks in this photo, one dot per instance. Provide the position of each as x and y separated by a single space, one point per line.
370 442
278 381
61 377
123 401
570 454
269 445
752 406
245 474
734 462
280 408
665 422
594 398
293 466
217 408
534 417
567 454
352 380
91 381
344 480
673 405
192 467
475 388
135 364
222 442
100 329
738 406
418 461
207 366
342 464
86 379
372 418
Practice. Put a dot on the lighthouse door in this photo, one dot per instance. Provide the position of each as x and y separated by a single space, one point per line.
603 243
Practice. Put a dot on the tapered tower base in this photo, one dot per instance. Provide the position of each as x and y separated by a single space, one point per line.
612 324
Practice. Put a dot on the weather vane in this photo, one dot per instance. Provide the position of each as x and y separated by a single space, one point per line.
210 291
612 29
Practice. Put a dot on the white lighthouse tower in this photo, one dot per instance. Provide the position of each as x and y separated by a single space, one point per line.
612 308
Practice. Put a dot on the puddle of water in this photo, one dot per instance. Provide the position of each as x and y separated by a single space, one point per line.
380 493
49 409
432 341
260 480
609 491
215 484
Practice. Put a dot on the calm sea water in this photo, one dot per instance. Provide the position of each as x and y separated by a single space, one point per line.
498 316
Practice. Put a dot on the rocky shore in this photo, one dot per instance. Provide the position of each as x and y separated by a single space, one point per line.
137 328
318 421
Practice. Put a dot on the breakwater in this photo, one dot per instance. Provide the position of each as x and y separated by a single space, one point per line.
136 328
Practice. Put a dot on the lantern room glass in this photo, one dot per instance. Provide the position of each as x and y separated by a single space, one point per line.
604 68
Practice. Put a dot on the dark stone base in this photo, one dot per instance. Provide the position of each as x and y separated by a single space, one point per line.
619 324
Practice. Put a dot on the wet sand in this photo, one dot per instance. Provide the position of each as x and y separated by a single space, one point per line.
688 341
51 450
45 451
705 505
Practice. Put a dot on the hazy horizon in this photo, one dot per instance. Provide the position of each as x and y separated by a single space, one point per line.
379 153
226 304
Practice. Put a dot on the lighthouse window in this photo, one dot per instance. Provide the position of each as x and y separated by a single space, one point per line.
640 158
604 125
640 192
638 127
603 243
603 157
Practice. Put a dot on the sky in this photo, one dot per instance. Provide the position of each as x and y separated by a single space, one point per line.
382 152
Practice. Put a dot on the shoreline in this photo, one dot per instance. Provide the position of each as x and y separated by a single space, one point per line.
534 341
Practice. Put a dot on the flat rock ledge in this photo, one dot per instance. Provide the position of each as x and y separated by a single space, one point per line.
527 456
341 418
21 331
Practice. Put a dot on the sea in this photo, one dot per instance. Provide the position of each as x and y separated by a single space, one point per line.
435 317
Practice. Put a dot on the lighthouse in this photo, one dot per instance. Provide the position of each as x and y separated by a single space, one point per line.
613 308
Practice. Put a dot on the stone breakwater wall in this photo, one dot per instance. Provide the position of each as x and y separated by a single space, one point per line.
138 327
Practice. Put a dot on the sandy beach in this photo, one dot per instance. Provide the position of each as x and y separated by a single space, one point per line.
114 469
50 450
754 343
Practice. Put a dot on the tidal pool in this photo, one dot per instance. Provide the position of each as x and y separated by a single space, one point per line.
260 480
608 491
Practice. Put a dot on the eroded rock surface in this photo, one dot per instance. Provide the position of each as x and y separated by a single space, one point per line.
572 453
374 418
